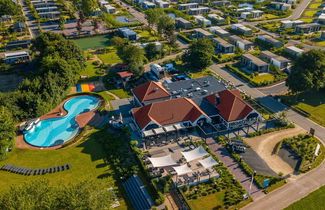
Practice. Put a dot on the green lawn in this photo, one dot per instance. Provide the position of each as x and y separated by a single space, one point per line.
86 159
110 57
313 201
92 71
310 13
307 20
312 103
146 36
270 16
263 77
93 42
121 93
314 6
208 202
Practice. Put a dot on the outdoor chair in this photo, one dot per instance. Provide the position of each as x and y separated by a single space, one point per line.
42 171
53 169
69 166
58 168
62 168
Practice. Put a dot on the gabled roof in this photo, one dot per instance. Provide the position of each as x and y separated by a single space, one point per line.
125 74
167 112
232 107
150 91
212 99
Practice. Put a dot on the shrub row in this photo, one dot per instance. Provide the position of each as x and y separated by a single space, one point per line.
184 38
265 131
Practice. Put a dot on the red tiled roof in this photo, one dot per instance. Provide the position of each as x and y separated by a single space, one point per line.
212 99
167 112
150 91
125 74
232 107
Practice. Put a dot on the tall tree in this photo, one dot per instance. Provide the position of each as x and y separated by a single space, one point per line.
7 131
8 7
308 72
79 27
95 23
152 16
199 54
166 26
88 6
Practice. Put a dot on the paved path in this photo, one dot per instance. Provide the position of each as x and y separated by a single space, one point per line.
224 156
274 89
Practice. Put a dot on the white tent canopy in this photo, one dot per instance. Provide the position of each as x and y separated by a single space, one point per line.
181 170
208 162
158 131
169 128
162 161
148 133
195 154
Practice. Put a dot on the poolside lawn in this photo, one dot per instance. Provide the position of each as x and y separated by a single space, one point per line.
110 57
86 159
314 201
263 77
310 13
312 103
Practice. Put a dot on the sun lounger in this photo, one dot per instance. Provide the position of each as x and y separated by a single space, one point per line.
58 168
54 169
68 166
62 168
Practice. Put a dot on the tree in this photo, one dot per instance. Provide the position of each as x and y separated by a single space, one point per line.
153 15
166 26
199 54
95 23
308 72
151 51
227 21
82 17
119 42
7 131
79 27
8 7
88 6
62 22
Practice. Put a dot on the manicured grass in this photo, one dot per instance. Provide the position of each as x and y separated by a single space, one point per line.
110 57
146 36
307 20
263 77
93 42
85 157
318 42
270 16
310 13
312 103
92 71
313 201
208 202
314 6
121 93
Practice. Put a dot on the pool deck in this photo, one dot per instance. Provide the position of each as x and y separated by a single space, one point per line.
82 120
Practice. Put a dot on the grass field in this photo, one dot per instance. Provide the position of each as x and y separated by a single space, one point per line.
121 93
313 201
310 13
85 157
93 42
307 20
312 103
263 77
208 202
314 6
110 57
146 36
92 71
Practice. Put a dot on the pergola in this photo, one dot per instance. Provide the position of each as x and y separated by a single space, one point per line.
162 161
148 133
195 154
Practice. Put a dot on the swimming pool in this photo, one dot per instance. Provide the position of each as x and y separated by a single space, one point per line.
56 131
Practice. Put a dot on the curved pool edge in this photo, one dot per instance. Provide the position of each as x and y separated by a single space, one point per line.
54 113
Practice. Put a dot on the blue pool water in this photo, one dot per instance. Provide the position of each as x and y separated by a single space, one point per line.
56 131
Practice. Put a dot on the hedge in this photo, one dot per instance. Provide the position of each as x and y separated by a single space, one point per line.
242 75
184 38
265 131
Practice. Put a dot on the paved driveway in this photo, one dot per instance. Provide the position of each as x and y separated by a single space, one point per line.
234 168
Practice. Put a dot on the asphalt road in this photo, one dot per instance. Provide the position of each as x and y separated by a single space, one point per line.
295 189
274 89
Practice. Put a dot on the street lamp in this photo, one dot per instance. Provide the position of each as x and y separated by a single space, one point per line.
250 186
